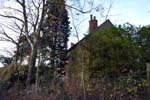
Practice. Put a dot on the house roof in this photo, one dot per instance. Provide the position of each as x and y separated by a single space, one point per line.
107 23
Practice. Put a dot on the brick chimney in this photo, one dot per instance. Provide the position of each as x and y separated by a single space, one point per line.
93 24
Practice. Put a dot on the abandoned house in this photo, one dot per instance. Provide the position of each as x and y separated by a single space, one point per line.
81 53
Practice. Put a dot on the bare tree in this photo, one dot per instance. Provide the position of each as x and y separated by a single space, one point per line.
35 24
30 16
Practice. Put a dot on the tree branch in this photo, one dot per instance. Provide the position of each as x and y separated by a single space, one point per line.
19 2
10 28
110 6
25 22
42 17
10 8
13 17
8 38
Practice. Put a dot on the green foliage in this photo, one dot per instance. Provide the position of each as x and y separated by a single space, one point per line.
123 87
11 76
143 40
133 87
46 75
45 79
14 74
111 52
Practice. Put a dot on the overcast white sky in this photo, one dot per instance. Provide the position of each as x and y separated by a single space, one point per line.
136 12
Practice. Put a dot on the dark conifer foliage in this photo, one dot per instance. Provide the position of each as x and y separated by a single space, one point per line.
56 31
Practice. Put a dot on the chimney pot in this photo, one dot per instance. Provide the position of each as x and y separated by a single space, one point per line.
92 24
91 17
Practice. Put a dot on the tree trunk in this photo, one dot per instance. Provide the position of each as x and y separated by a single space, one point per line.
37 72
17 54
32 61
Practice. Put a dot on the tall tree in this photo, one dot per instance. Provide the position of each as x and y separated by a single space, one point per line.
56 31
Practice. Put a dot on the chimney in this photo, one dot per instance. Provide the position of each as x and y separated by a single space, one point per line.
93 24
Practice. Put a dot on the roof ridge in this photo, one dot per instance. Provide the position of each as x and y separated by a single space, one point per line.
98 28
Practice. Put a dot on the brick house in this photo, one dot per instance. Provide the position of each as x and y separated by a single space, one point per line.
79 61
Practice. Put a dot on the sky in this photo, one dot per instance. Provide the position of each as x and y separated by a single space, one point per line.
136 12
